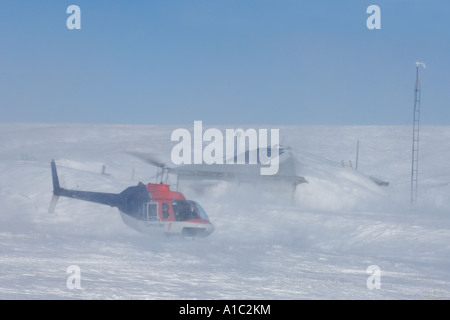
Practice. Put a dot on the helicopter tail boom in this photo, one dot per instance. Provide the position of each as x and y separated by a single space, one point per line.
111 199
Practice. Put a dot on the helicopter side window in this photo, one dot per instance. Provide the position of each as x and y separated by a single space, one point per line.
165 210
152 211
184 211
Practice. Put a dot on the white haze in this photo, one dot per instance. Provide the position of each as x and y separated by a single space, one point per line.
262 248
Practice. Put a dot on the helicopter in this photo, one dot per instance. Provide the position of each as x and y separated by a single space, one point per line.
146 208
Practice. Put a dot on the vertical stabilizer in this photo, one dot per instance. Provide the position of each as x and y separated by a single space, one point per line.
56 188
53 203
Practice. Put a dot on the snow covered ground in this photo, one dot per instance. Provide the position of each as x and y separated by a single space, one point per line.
318 248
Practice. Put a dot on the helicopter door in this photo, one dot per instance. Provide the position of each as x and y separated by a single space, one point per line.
165 213
152 211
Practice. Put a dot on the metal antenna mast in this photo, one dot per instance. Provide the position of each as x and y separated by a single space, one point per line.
415 144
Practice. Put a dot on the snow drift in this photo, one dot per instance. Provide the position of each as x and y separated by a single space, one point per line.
318 247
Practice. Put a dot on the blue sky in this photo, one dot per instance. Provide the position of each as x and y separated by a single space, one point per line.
278 62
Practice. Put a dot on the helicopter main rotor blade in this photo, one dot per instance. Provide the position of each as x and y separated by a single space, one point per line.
149 159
